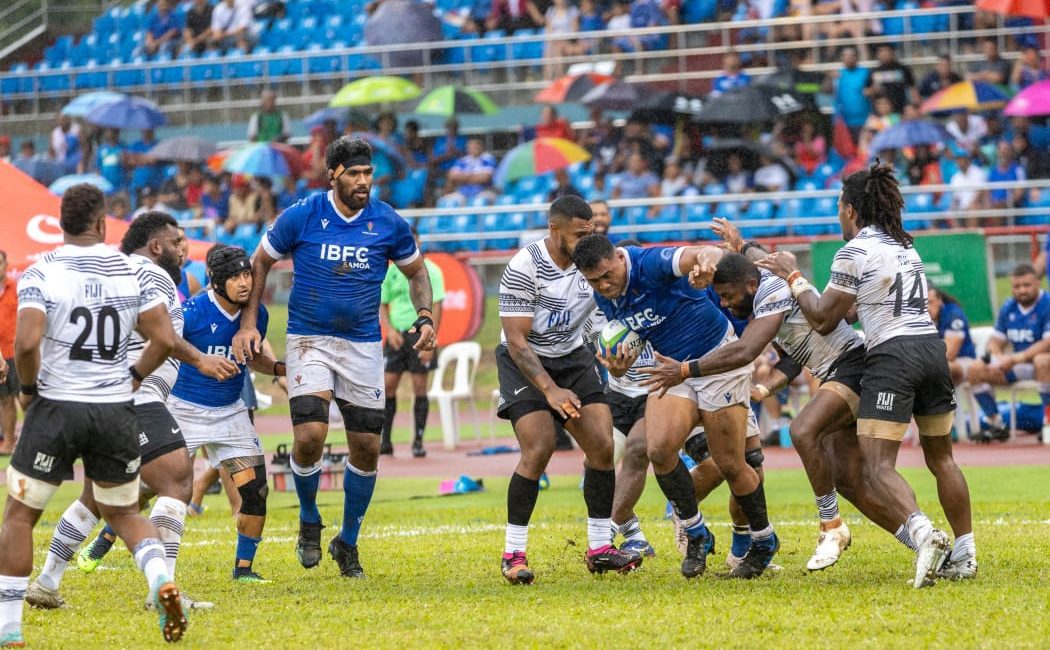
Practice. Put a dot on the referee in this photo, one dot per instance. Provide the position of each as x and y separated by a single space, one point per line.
397 315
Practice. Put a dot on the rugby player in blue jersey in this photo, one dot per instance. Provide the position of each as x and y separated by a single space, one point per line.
341 243
648 290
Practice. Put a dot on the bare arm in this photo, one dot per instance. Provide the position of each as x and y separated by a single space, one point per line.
265 363
1040 263
422 296
953 344
248 341
996 346
155 327
1039 347
823 311
28 335
517 329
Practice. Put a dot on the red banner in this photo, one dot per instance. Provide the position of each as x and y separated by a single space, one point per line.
464 303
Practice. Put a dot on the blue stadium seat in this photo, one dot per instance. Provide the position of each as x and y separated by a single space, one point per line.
251 68
78 54
285 66
917 204
409 190
103 25
669 216
761 210
273 37
51 82
90 77
127 77
10 83
729 210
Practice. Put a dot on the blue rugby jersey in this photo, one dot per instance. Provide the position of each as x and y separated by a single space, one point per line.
953 319
340 264
210 329
1024 327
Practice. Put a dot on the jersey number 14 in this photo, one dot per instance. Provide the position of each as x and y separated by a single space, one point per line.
916 297
108 323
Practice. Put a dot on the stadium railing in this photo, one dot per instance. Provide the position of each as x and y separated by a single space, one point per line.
190 88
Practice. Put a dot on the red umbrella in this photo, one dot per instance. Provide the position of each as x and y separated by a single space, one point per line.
1038 9
571 88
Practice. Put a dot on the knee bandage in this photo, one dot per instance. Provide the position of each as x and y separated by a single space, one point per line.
361 420
252 486
696 448
308 408
29 491
754 457
125 494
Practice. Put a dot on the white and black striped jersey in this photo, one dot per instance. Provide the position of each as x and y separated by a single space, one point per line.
156 387
889 281
92 296
796 336
559 301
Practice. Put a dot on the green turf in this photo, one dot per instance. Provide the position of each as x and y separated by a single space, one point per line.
434 580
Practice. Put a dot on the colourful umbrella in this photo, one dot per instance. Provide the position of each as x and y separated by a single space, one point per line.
451 100
1038 9
972 95
127 113
83 104
375 90
910 133
259 159
571 88
538 156
1030 102
185 148
60 186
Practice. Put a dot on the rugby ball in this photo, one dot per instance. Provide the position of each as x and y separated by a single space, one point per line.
616 335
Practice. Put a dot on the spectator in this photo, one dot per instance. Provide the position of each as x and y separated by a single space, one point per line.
591 19
954 327
173 191
385 169
1028 69
732 77
925 169
637 182
643 13
512 15
118 208
291 193
265 201
144 169
449 148
162 29
194 189
884 115
231 25
848 83
563 186
811 150
269 123
552 126
1036 162
561 18
771 176
967 129
993 69
415 147
966 185
197 31
65 142
215 203
674 181
242 204
939 78
1007 169
110 158
10 387
5 148
472 174
601 217
149 199
737 179
602 140
26 152
891 78
316 172
620 16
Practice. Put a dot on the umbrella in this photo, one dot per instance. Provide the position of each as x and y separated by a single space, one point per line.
293 159
60 186
751 104
382 146
397 22
375 90
664 107
83 104
971 95
538 156
43 170
1030 102
186 148
127 113
318 118
1038 9
800 81
613 96
571 88
451 100
911 133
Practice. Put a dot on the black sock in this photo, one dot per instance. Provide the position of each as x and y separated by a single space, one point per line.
421 409
521 499
389 410
754 507
677 486
598 488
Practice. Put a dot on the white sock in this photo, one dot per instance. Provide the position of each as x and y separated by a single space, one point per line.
168 515
306 470
598 533
904 537
72 529
12 597
149 555
632 530
964 548
919 527
828 507
518 537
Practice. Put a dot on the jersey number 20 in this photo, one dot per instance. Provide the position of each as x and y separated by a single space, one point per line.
106 349
916 297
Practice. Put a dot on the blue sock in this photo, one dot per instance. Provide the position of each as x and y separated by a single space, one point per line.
246 547
358 487
307 480
986 400
112 534
741 540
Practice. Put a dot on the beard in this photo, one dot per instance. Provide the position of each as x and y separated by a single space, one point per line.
744 310
351 201
170 264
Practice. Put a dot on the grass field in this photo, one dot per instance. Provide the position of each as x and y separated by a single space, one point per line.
434 581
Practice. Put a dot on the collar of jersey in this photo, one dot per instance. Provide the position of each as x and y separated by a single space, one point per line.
1025 312
229 317
335 208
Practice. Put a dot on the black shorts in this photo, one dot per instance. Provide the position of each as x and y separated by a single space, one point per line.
848 369
159 433
576 371
626 410
56 433
10 386
406 358
906 376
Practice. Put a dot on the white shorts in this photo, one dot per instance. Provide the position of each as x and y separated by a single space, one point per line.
752 426
716 392
352 371
1024 371
225 432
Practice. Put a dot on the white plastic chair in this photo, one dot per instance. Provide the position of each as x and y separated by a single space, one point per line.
465 356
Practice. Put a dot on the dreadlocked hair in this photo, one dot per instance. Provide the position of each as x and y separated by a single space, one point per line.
875 195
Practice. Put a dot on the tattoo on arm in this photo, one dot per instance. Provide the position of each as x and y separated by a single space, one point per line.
420 290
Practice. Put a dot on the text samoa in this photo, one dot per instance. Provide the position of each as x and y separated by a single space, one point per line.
352 254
